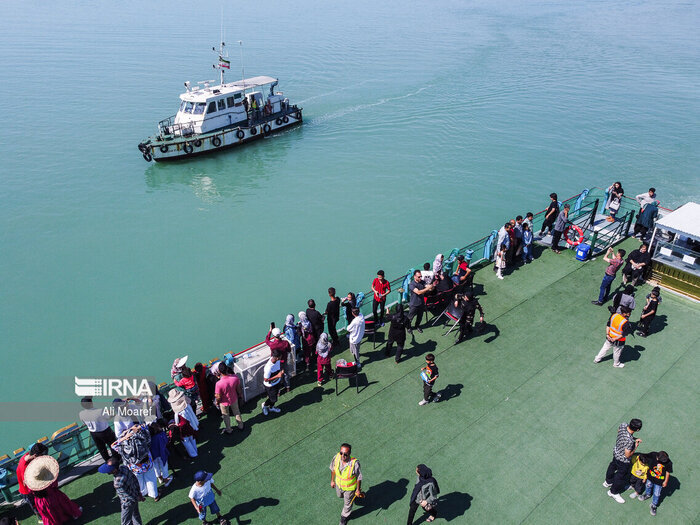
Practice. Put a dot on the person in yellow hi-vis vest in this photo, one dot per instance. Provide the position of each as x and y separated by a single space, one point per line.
346 479
617 330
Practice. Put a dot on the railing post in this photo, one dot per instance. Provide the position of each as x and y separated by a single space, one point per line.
593 213
594 239
629 223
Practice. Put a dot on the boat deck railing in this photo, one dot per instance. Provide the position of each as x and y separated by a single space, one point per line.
72 445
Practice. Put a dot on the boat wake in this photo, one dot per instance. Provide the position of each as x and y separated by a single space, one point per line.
333 92
360 107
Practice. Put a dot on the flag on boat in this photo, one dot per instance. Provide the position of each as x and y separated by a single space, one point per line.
224 63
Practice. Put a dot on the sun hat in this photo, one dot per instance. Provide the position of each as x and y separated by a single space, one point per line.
41 472
214 368
203 475
178 400
276 332
181 362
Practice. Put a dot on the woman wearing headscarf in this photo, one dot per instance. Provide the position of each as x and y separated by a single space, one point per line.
437 263
615 193
291 332
397 333
185 419
323 358
349 304
308 341
424 494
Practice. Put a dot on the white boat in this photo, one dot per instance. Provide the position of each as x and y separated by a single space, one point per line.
212 118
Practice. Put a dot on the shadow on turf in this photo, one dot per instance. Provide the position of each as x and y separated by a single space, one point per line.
381 496
450 392
248 507
451 506
673 485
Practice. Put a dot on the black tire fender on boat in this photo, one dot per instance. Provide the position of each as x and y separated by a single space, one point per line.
253 130
164 148
147 156
278 121
285 119
267 129
216 141
142 148
197 143
187 148
240 134
297 115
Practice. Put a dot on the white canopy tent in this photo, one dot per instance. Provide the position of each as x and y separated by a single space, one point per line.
684 221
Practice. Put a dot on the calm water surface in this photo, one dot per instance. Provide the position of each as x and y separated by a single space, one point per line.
426 125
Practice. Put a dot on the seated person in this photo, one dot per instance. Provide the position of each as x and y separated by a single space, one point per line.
637 263
444 283
427 274
463 271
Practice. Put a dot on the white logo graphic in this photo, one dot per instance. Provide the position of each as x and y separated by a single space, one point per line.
112 386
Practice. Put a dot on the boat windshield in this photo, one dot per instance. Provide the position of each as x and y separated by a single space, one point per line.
199 108
188 107
182 106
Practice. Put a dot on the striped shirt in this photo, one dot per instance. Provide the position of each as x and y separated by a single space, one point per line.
625 441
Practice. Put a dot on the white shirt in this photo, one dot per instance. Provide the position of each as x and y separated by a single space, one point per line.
197 493
356 329
94 420
270 370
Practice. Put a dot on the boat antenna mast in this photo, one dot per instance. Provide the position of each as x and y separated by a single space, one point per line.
224 62
240 44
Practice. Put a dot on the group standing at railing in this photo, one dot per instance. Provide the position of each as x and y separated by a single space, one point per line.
144 444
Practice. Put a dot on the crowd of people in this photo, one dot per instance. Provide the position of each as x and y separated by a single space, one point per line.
137 451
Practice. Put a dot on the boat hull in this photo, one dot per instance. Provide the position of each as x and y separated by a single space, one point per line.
178 148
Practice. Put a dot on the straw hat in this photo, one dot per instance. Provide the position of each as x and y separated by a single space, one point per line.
181 362
178 400
41 472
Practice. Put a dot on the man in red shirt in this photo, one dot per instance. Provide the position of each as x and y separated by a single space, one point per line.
381 289
227 392
38 449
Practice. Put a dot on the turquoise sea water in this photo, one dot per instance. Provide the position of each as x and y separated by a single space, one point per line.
426 125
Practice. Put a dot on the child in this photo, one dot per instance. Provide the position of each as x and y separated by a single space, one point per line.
649 312
660 468
638 474
527 243
500 261
429 374
201 495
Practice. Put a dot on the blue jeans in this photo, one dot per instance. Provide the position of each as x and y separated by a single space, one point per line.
527 252
657 492
605 287
210 502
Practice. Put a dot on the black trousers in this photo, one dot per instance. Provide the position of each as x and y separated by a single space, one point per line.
412 512
556 236
379 304
103 440
417 312
427 391
618 475
399 346
548 224
644 325
272 393
332 331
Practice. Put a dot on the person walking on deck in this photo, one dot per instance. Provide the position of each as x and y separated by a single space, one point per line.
424 494
381 288
397 333
660 468
227 393
617 330
614 265
617 475
346 479
429 374
127 488
272 376
649 312
36 450
551 214
559 227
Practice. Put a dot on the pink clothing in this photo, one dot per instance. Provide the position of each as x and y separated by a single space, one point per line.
281 345
227 389
21 467
323 366
54 506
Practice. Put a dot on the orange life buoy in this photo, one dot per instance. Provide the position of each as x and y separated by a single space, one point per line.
579 238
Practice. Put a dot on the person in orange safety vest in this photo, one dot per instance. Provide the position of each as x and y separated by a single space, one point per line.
617 330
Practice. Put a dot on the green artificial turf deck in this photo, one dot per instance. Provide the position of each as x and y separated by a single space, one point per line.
523 434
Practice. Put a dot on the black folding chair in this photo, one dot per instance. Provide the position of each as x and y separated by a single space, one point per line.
371 330
451 312
346 372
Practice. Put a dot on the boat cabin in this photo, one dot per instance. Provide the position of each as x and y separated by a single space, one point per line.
232 104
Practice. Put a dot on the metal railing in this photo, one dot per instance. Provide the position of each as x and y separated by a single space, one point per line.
72 444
